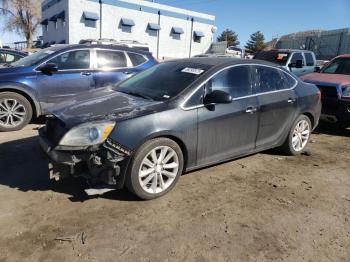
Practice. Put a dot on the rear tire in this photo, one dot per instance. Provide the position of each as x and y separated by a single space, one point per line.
155 169
298 136
15 112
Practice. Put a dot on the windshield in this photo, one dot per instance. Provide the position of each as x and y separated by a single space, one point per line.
338 66
163 81
276 57
33 59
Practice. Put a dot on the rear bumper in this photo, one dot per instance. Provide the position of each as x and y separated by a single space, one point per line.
98 165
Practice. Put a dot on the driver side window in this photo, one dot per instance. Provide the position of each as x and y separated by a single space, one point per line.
234 81
79 59
296 57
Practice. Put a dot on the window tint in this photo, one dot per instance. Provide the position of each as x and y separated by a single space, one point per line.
110 59
288 79
296 57
79 59
269 79
235 81
136 59
338 66
196 99
309 59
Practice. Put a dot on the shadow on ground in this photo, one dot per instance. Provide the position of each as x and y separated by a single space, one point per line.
332 129
24 167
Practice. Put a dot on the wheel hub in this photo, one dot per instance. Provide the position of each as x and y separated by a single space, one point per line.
158 169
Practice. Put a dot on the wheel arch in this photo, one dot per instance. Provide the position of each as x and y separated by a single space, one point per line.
311 117
30 97
173 137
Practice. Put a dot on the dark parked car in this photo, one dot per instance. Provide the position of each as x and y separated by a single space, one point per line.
34 83
334 82
179 116
8 56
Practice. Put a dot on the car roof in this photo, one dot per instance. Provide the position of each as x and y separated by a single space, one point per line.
67 47
222 61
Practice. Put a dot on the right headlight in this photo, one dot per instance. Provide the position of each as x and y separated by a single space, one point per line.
88 134
346 92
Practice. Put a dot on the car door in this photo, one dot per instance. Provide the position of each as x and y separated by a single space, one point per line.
293 61
310 63
227 130
74 76
112 67
277 102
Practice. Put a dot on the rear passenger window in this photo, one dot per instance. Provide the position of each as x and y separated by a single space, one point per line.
235 81
136 59
309 59
110 59
269 79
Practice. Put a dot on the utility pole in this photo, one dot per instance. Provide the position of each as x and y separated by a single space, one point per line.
100 1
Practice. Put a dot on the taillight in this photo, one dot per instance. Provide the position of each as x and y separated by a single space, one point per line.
157 60
319 95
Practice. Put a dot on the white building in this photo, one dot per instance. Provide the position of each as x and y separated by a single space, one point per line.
170 32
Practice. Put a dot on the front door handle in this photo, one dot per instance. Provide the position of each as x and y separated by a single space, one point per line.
251 110
291 101
127 73
86 74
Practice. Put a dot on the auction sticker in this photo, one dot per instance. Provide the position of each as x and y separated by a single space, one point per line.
194 71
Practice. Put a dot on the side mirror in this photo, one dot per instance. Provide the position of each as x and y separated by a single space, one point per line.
297 64
317 69
48 68
217 97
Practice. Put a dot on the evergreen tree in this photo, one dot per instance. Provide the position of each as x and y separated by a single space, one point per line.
256 43
230 36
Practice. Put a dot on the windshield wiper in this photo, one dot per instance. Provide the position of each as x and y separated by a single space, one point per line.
137 94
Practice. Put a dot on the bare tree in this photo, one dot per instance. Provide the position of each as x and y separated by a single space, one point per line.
22 16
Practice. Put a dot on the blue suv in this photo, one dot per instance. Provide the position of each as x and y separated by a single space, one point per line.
31 85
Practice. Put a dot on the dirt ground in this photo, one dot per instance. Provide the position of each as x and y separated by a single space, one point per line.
265 207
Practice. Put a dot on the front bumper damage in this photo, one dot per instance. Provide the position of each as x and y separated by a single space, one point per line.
105 164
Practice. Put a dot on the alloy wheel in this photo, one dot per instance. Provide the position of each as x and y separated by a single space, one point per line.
12 112
301 135
158 170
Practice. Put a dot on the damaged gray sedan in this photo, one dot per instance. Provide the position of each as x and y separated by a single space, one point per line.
176 117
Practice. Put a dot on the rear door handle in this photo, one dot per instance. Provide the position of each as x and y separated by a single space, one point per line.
251 110
291 101
127 73
86 74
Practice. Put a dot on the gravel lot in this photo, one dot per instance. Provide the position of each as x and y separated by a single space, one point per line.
265 207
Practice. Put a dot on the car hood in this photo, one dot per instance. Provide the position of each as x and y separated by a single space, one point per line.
319 78
104 104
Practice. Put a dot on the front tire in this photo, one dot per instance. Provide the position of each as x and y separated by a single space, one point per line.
15 112
298 137
155 168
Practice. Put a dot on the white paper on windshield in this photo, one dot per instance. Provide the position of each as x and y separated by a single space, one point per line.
49 52
194 71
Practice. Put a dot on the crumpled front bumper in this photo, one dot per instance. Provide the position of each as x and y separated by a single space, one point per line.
101 164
